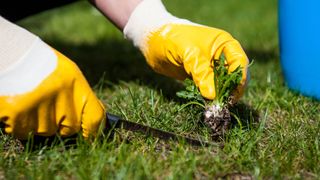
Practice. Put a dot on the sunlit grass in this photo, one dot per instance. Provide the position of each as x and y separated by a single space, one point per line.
279 132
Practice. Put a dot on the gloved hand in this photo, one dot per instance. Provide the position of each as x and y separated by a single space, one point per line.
179 48
46 94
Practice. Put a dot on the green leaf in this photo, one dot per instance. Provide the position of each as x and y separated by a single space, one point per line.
191 92
225 83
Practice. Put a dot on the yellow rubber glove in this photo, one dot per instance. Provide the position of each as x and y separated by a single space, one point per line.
179 48
45 93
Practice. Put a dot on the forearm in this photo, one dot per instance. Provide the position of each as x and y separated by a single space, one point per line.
117 11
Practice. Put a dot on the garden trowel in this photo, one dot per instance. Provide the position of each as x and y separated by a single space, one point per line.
117 122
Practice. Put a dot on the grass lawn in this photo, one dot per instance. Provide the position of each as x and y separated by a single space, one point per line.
279 133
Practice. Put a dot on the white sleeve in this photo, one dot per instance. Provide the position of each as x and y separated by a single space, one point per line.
25 60
14 43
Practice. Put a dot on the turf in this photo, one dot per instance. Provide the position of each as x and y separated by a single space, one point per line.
276 135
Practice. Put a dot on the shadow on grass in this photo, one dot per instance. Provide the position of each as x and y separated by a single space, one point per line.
116 61
262 56
247 116
11 146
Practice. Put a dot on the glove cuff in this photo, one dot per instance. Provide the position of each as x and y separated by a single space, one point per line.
147 17
29 69
15 41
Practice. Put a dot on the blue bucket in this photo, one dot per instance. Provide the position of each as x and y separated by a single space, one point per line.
299 30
